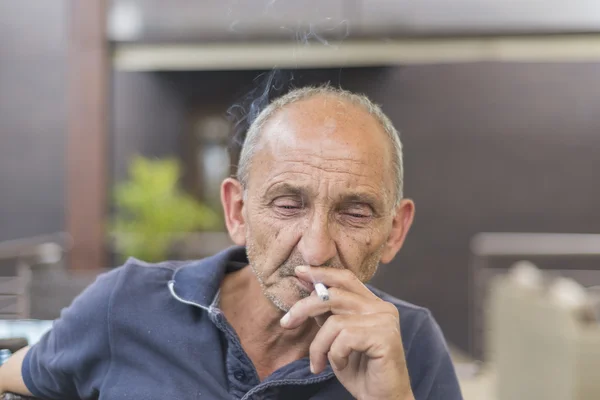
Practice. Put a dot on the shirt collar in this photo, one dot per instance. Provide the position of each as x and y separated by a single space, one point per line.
197 283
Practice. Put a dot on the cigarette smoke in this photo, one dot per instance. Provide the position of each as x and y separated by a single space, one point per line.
267 86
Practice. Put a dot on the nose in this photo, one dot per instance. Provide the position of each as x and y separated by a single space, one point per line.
316 244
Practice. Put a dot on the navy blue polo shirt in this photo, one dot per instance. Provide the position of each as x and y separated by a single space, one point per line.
144 332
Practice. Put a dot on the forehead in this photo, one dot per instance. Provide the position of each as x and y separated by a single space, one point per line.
324 138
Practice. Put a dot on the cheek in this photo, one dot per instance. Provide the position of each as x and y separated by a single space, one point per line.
273 239
361 250
285 236
273 230
361 241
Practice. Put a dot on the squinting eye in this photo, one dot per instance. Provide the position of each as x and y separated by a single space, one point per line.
358 212
357 215
287 205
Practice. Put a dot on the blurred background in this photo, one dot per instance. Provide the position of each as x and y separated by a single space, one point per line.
119 119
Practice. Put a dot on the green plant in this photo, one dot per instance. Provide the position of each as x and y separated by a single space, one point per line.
152 211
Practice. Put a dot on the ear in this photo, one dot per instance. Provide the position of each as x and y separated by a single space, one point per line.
405 213
232 199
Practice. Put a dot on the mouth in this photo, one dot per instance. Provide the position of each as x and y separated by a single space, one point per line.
308 286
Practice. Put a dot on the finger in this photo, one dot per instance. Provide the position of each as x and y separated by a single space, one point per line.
336 324
320 319
348 341
321 344
340 302
333 277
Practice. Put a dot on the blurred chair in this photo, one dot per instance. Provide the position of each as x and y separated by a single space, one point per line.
16 258
20 261
34 280
544 341
570 255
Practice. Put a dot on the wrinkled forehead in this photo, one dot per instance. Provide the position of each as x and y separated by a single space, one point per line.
328 137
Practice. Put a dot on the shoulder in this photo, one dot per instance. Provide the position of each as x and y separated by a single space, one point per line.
140 273
139 278
410 314
133 265
418 326
429 364
133 277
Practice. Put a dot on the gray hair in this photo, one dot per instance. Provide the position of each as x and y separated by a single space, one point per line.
252 136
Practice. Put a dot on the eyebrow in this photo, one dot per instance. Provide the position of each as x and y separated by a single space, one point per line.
360 198
285 188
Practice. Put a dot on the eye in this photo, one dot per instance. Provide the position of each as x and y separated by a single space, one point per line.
355 215
286 205
357 212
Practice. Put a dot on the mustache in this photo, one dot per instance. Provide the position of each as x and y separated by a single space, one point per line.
288 267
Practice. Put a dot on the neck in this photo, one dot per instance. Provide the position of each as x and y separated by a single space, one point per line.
256 322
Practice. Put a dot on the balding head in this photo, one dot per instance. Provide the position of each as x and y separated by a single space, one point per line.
320 183
354 103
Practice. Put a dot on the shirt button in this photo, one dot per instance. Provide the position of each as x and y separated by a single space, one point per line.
240 375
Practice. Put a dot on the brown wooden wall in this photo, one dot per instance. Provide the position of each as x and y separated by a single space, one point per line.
488 147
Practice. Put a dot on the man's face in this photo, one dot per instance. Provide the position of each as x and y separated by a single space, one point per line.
320 192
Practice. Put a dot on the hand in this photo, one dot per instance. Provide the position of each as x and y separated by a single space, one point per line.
361 336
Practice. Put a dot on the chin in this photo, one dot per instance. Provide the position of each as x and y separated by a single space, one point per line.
279 303
284 296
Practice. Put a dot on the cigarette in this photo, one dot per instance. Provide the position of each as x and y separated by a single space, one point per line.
322 291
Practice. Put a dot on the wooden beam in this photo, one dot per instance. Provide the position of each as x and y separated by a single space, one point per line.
356 53
88 80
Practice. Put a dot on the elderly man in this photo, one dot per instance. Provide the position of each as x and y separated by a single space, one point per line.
318 199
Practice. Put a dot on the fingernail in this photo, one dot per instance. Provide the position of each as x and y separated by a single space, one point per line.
285 319
312 369
301 268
